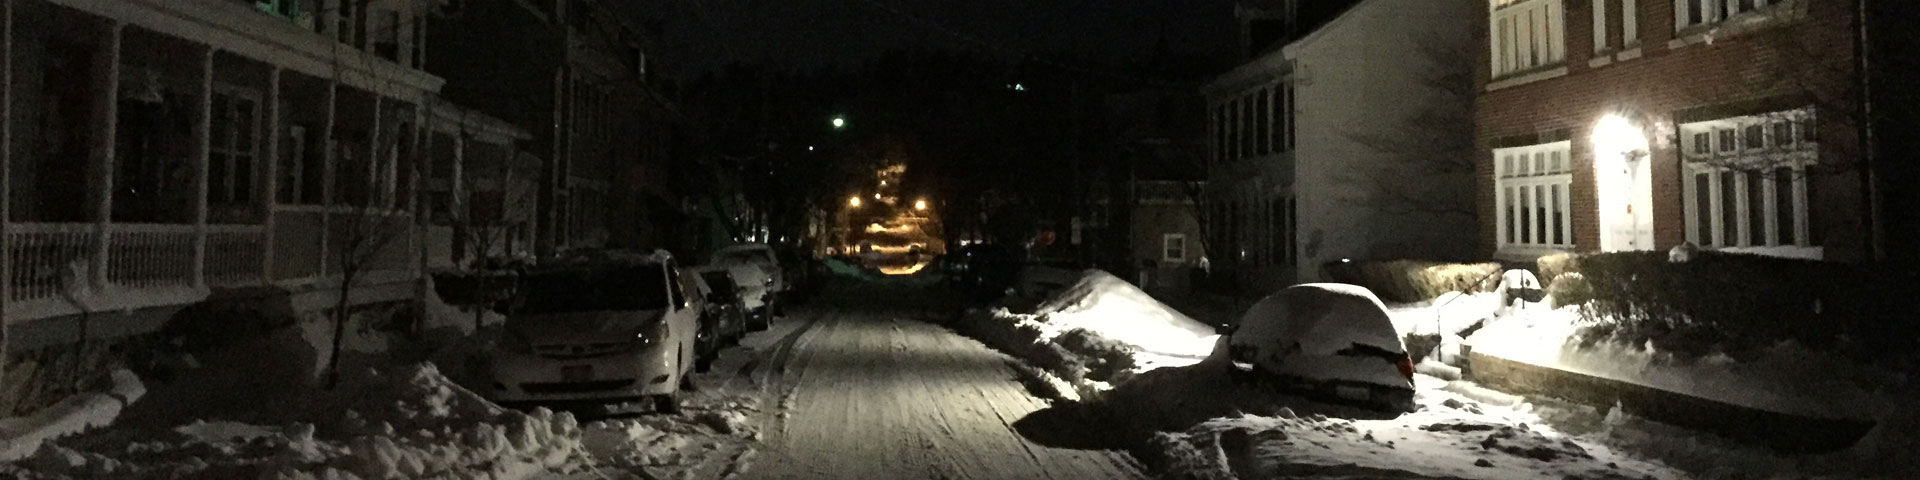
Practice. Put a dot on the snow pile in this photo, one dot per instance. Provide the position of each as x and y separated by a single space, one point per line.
1111 308
1451 436
1100 331
406 422
21 436
1785 378
1449 313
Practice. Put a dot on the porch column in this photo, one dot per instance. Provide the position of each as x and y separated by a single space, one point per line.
376 189
416 185
106 113
327 147
270 198
202 142
6 166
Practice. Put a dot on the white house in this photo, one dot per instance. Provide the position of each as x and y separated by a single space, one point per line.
1339 144
159 152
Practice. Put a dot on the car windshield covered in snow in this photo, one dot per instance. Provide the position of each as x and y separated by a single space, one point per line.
743 256
634 287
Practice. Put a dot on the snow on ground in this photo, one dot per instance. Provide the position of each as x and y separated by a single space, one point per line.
1177 421
1785 378
403 422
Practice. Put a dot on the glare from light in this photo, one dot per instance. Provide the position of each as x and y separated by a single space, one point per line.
839 122
883 183
1617 137
876 196
809 148
919 204
853 201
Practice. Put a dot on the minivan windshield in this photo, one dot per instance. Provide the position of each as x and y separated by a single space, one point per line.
626 287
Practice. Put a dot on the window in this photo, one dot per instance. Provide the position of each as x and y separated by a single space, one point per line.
1619 14
1219 133
1526 34
301 170
1280 223
1692 13
1749 189
232 145
1263 123
1532 196
1173 247
288 9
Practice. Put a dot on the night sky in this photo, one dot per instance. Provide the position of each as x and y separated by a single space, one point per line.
697 36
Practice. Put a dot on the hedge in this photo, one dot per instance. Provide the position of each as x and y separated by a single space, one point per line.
1733 303
1401 281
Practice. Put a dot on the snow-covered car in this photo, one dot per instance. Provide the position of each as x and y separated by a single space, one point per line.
723 319
755 288
1329 340
609 332
757 254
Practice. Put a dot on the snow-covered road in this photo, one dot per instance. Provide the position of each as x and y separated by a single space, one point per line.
853 389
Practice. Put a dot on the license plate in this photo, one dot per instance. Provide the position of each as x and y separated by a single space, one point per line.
576 373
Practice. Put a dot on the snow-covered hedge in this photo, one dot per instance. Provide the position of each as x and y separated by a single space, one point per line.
1401 281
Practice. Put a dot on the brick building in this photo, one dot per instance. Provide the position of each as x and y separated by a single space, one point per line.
1606 125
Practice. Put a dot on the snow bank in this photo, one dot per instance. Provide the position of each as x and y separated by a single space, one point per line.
1785 378
1450 437
404 422
713 433
1107 306
1099 331
21 436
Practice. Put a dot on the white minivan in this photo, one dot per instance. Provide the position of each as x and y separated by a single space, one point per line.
606 331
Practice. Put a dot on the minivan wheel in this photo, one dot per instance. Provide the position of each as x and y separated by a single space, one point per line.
666 403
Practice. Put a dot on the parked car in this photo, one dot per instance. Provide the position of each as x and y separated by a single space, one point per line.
981 270
755 289
1041 277
613 330
759 254
1328 340
724 319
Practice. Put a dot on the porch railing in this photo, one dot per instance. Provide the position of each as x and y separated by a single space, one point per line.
48 259
143 255
235 254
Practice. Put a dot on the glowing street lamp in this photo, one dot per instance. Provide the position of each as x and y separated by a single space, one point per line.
839 122
853 201
920 205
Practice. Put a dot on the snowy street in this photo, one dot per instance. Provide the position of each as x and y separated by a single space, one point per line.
852 388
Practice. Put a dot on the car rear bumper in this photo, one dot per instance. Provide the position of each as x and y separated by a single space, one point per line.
529 378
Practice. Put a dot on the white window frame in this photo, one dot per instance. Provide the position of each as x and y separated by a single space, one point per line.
1526 34
1629 26
1167 247
1740 160
1526 178
1714 11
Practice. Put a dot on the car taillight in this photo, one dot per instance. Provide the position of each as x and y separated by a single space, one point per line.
1406 366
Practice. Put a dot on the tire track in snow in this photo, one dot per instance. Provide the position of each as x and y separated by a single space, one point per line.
881 395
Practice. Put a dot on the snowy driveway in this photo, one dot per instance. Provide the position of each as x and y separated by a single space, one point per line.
862 390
